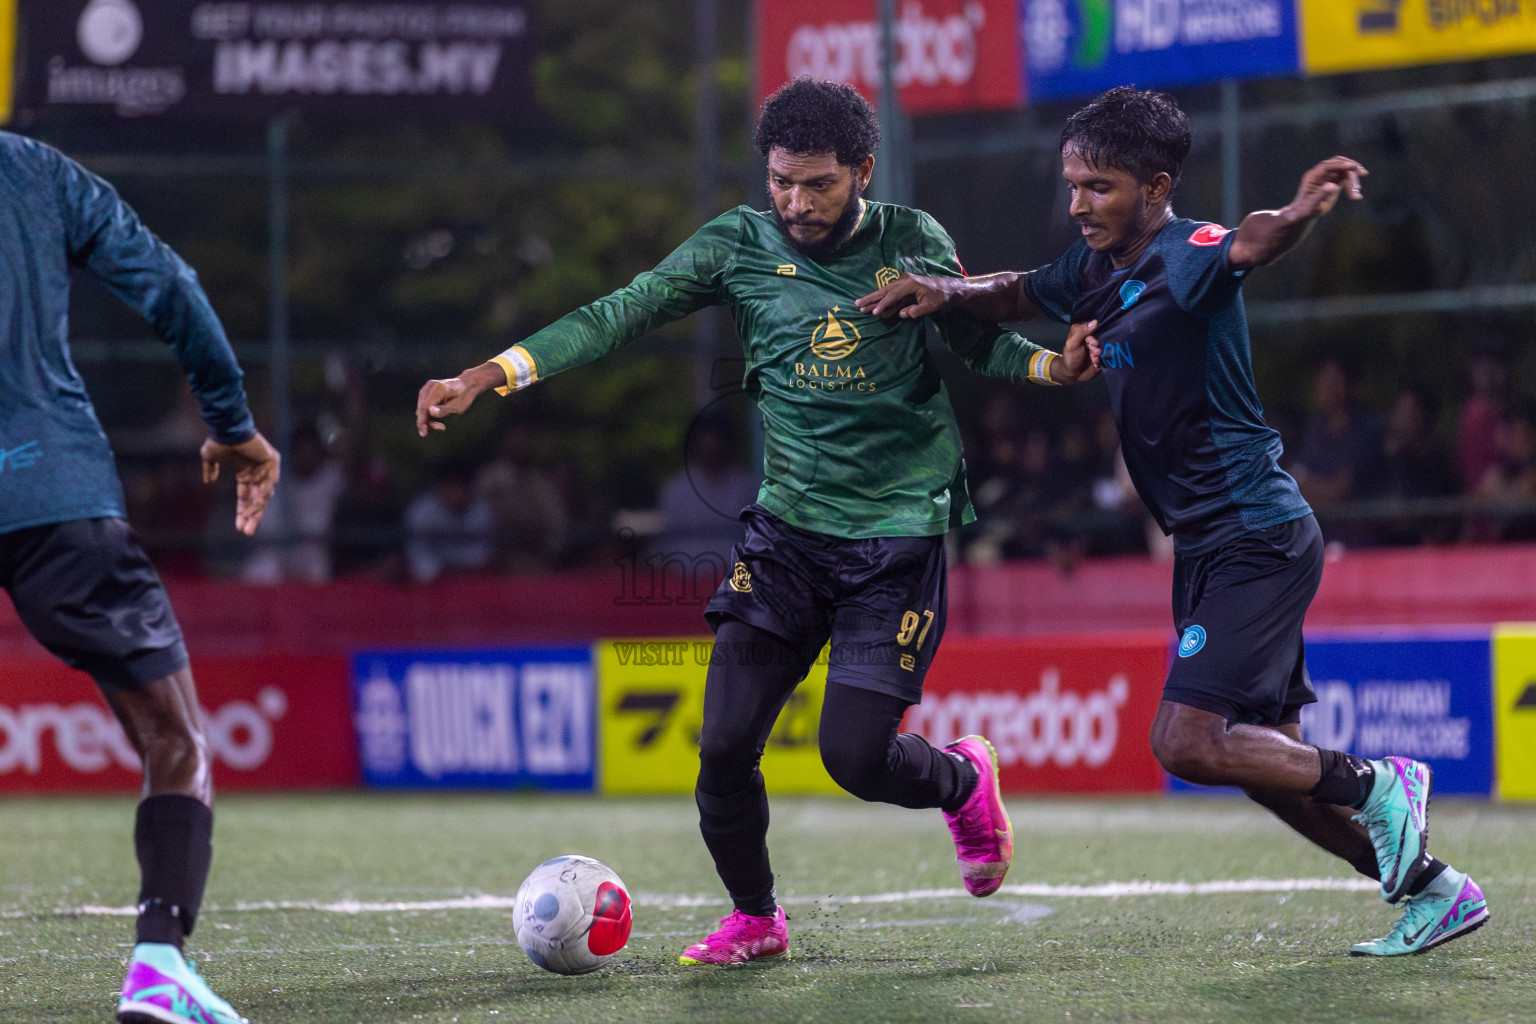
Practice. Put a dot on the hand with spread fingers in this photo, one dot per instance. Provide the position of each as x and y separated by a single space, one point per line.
257 466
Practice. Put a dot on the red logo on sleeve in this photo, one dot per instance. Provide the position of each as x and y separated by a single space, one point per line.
1209 234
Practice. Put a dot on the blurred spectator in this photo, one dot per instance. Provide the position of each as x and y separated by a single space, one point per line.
1014 506
1341 441
1513 477
1340 447
1122 524
700 505
1477 428
530 520
294 538
448 530
1412 466
366 535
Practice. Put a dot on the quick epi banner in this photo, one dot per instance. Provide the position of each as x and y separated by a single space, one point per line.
502 718
1514 698
652 700
1082 47
1421 696
1360 35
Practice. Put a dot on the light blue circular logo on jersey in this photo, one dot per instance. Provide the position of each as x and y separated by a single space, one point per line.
1192 641
1130 292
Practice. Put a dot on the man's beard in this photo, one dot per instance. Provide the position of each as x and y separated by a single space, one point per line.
833 239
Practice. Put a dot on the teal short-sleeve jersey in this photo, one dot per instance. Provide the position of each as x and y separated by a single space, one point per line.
861 440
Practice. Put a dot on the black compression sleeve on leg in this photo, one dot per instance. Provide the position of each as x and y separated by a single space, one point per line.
173 837
866 754
1346 779
751 675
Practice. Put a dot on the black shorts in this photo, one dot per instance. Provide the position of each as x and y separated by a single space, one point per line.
1239 610
881 602
86 590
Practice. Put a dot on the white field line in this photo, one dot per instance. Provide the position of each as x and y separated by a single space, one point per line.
1104 890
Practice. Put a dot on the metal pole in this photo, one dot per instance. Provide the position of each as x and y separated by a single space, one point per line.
279 348
1231 154
893 166
706 52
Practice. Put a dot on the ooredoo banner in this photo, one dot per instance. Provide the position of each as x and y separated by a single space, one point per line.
274 721
1066 715
1080 47
951 55
504 718
1358 35
208 59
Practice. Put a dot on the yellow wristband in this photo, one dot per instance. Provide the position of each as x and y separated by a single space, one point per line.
1040 368
519 367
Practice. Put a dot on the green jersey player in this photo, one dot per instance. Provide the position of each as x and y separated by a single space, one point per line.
863 476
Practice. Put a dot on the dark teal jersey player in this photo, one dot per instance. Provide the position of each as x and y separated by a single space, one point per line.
1172 340
1174 350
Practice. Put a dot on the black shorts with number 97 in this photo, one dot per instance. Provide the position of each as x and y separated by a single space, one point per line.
881 601
87 591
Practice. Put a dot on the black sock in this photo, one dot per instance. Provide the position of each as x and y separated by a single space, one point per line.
173 836
962 781
1433 870
1346 779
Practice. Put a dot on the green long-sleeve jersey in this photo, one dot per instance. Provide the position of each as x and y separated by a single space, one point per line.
861 440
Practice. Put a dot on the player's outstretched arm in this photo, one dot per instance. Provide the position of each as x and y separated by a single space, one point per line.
1266 235
256 464
997 298
438 399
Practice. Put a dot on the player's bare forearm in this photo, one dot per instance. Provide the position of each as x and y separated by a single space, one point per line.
439 399
1266 235
997 298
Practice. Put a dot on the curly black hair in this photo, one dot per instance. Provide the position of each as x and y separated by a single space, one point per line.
1141 133
813 115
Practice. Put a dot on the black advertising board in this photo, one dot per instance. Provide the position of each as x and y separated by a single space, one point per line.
201 60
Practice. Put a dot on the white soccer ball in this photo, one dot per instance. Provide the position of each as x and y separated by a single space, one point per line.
572 914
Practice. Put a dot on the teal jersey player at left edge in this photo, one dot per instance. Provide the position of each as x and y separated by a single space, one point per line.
74 569
863 476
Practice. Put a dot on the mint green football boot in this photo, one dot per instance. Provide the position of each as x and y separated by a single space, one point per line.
1448 908
1396 815
163 988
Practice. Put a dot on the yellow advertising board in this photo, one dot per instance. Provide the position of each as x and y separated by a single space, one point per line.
1514 709
7 57
1358 35
651 696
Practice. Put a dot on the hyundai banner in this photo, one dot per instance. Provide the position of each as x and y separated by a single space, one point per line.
520 717
1424 697
1082 47
951 55
196 58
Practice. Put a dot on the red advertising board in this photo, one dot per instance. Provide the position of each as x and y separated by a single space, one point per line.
951 55
275 721
1067 715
